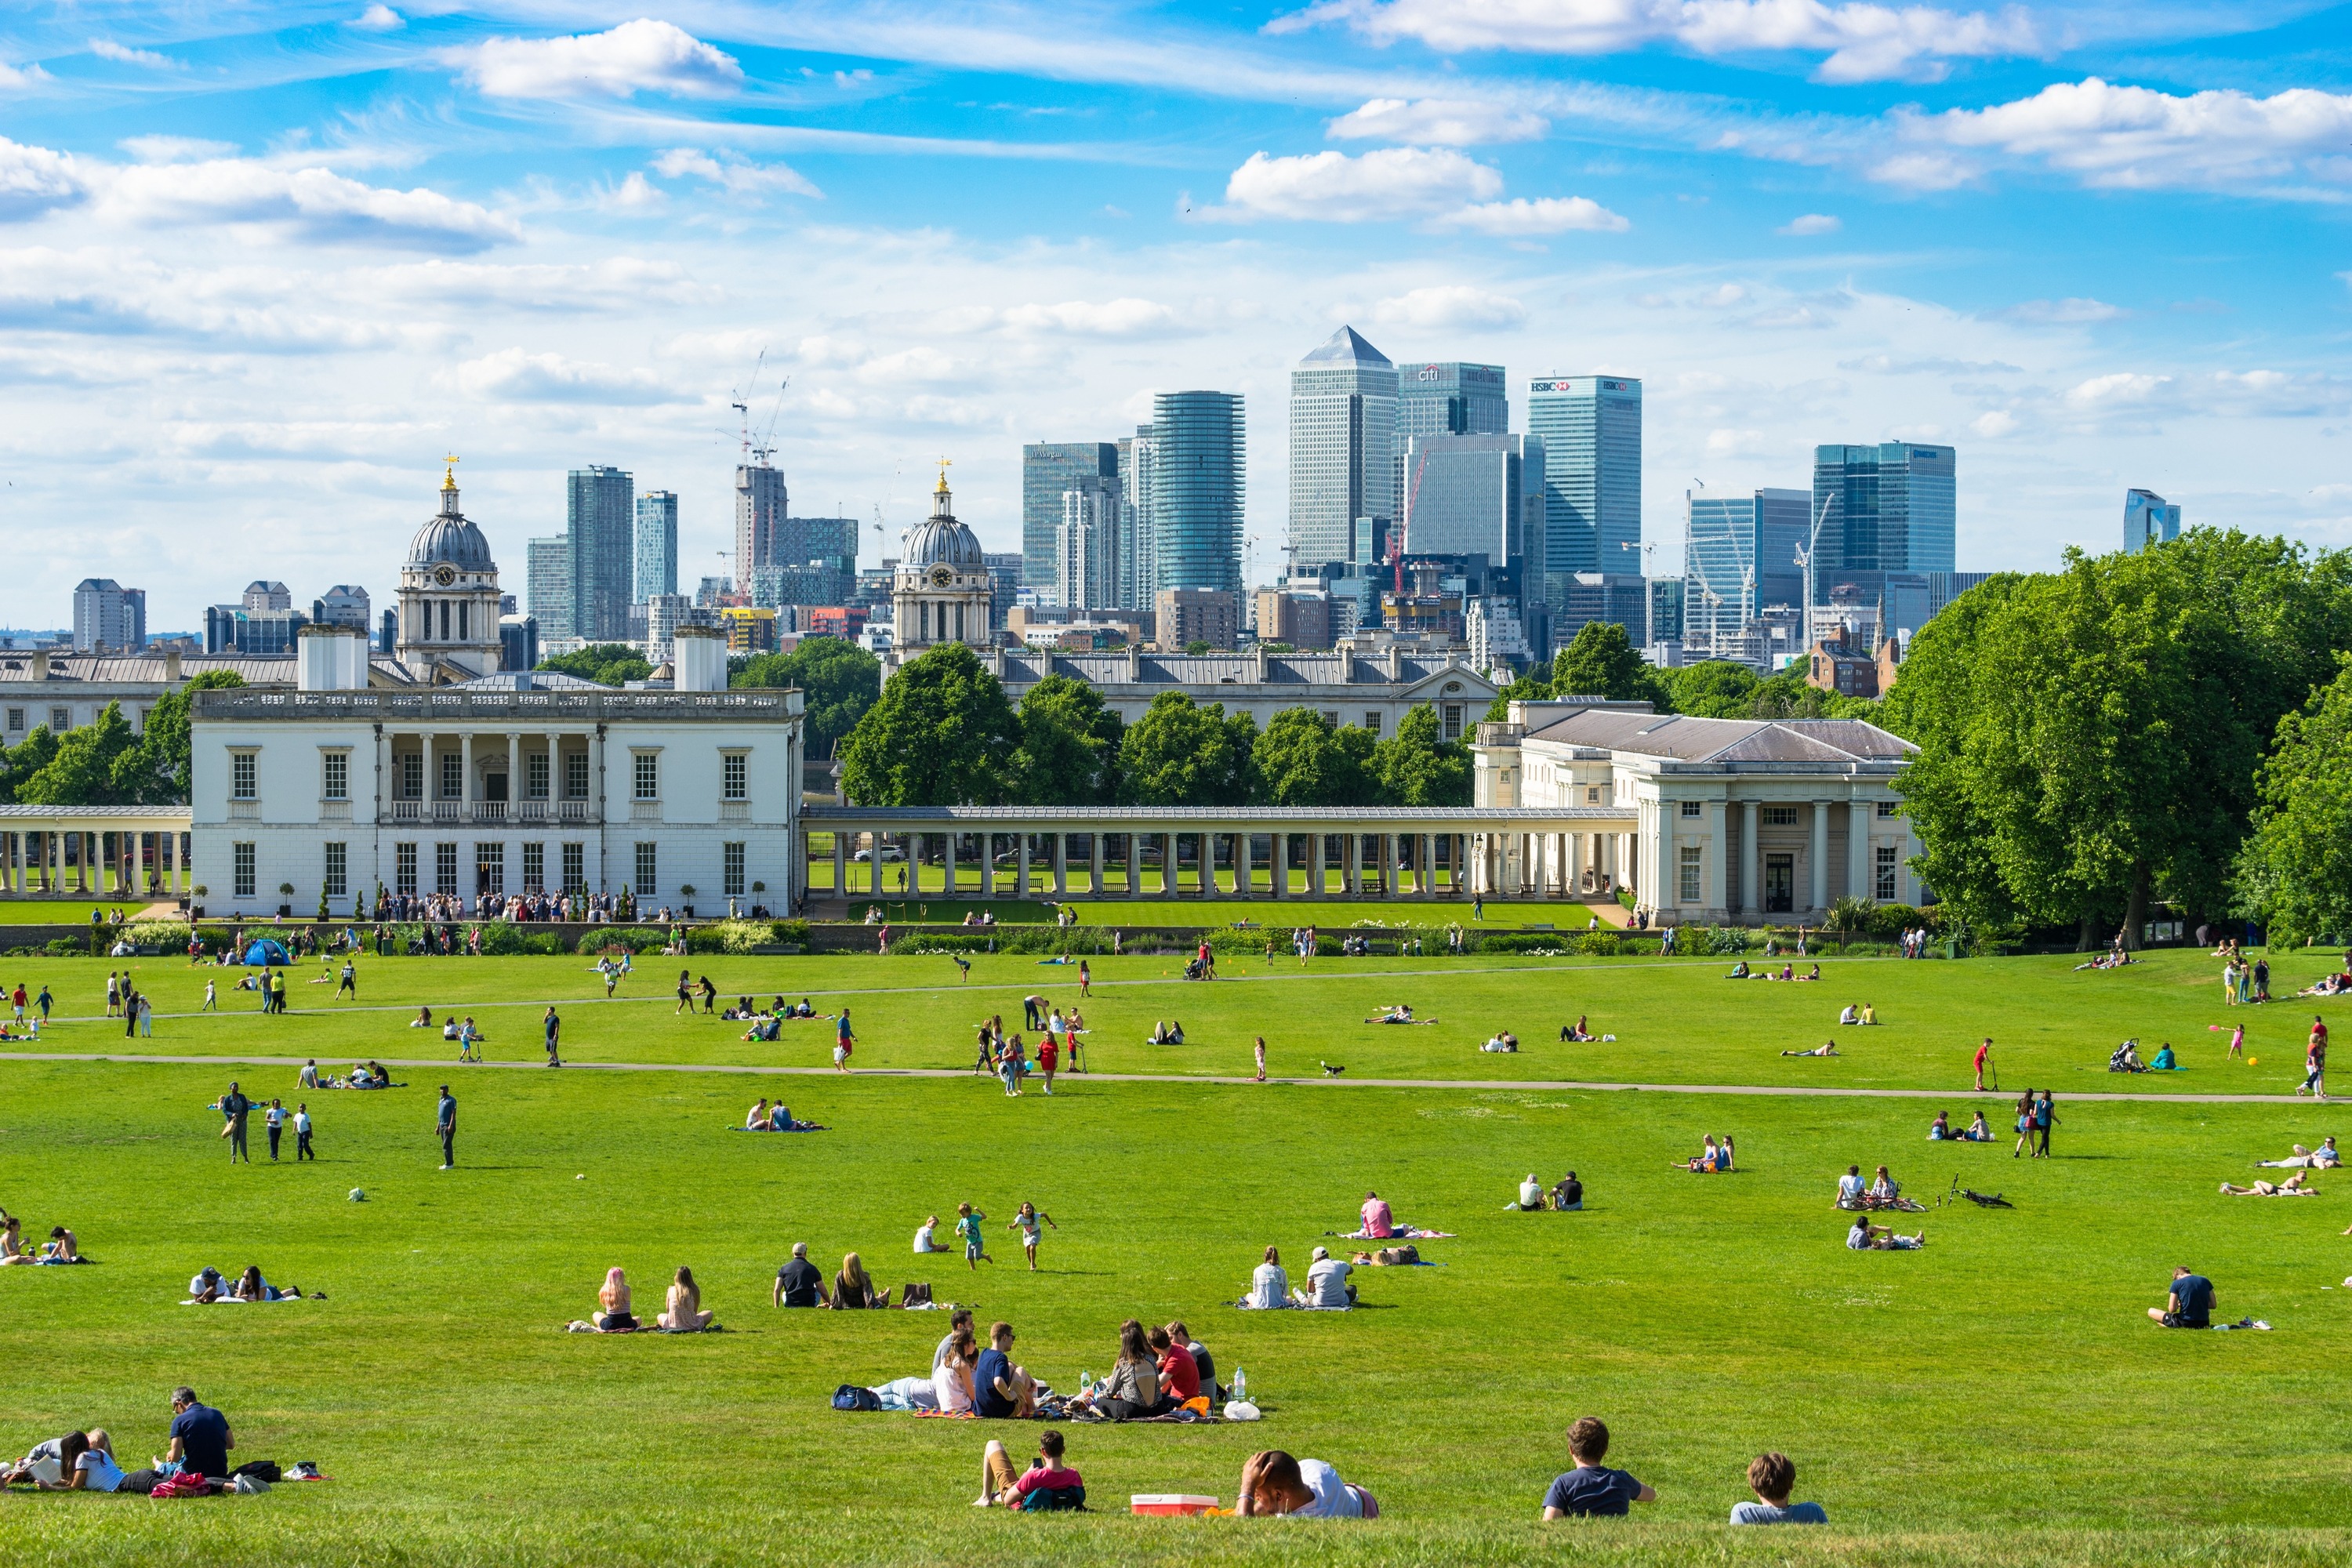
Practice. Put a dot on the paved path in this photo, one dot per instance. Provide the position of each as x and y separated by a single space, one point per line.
1489 1085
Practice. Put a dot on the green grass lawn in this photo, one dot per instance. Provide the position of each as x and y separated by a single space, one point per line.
1998 1398
63 911
1331 914
972 882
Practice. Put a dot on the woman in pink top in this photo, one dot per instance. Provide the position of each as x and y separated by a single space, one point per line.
1378 1222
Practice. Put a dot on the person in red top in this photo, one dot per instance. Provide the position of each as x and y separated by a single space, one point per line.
1180 1375
1001 1488
1048 1053
1983 1052
1379 1223
2314 1060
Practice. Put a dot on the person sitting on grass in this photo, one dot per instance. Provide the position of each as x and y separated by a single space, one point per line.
1568 1193
1532 1195
1738 971
2189 1305
1884 1190
1577 1033
1772 1476
853 1287
1132 1390
1274 1484
1869 1015
999 1389
1269 1284
1816 974
1180 1375
61 1247
1851 1018
798 1283
2126 1058
2163 1061
1591 1489
2292 1187
1712 1158
1503 1042
1979 1130
1327 1283
1047 1485
757 1121
1865 1236
2323 1158
424 1019
1941 1129
615 1317
1826 1049
683 1313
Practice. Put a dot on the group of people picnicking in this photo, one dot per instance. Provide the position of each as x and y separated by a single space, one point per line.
195 1462
1740 971
61 1247
211 1286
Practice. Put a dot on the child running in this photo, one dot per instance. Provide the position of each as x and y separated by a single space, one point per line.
1026 1222
966 1226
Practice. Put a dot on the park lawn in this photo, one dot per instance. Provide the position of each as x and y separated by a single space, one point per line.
1998 1398
1332 916
1676 1021
71 911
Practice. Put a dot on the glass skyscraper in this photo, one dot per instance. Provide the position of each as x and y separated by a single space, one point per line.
761 502
1446 399
1049 468
1198 472
1887 507
656 564
1464 495
547 582
600 522
2149 519
1592 431
1138 545
1740 554
1343 399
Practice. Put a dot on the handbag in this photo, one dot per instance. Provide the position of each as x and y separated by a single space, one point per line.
855 1396
914 1295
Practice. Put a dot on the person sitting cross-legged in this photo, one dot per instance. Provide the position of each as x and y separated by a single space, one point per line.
1046 1485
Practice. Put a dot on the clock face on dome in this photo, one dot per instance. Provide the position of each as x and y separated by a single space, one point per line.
941 576
445 575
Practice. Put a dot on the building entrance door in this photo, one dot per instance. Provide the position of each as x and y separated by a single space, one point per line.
1780 884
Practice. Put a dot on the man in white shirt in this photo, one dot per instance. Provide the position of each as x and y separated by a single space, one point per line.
1532 1194
1326 1282
1850 1188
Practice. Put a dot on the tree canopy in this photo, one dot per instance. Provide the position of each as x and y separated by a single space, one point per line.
1416 767
1303 758
606 663
2295 870
1600 660
1181 754
1070 743
104 762
839 682
942 733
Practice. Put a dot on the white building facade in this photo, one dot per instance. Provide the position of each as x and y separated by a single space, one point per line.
1729 820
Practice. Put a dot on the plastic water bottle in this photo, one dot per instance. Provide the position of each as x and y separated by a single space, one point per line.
1086 1382
1241 1384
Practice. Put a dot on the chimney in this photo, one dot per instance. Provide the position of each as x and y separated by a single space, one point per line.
329 659
172 667
698 660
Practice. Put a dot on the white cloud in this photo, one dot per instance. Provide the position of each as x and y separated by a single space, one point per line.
633 194
639 56
380 19
2065 313
736 174
1451 308
1863 42
1994 424
1125 318
1811 223
1923 171
2136 136
16 78
2120 390
517 375
1724 296
108 49
314 203
1544 214
1332 187
618 284
1435 122
36 179
173 148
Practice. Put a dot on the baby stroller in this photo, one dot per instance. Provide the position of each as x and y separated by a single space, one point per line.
2126 1058
1195 970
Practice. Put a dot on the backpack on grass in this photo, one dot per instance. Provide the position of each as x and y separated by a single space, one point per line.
854 1397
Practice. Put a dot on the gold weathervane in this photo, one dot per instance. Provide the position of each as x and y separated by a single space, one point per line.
449 477
944 463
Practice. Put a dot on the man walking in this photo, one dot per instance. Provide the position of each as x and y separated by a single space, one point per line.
302 1133
445 1122
2314 1060
350 982
233 1106
845 1040
274 1120
554 1027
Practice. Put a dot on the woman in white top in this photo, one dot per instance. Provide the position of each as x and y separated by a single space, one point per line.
757 1120
952 1379
1270 1285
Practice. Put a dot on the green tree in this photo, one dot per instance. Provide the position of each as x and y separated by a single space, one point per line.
1415 767
1069 745
1525 689
1601 662
1181 754
2294 869
1303 758
164 739
96 764
25 759
1197 647
940 734
839 682
1713 689
606 663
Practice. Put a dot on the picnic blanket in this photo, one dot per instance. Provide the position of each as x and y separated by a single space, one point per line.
1400 1233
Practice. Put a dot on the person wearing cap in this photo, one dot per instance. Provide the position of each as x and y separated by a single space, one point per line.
1326 1282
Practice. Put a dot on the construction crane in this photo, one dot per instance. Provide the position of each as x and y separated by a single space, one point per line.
756 451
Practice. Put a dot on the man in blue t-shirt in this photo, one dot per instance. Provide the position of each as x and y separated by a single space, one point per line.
200 1435
994 1395
1591 1488
2190 1305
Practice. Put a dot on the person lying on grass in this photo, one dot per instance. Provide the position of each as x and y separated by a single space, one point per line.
1399 1013
1867 1237
1577 1033
1047 1485
2292 1187
1274 1484
1826 1049
251 1286
2323 1158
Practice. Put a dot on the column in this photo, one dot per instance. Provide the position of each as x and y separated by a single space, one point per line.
1060 865
1094 865
1666 875
1859 880
1354 871
840 864
947 861
1278 864
1313 865
1718 854
1752 863
514 784
1020 867
465 792
1424 866
1242 875
1821 852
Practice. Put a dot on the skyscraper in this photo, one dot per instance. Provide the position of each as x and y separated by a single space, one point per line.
107 615
1740 553
1343 400
1446 399
1087 567
1139 544
760 504
1592 431
1049 468
2149 519
1198 477
1887 507
656 557
600 524
547 582
1464 495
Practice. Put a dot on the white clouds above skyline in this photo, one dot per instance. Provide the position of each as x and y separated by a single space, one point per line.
1436 122
643 55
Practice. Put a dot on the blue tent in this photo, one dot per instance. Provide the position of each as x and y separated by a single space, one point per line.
265 952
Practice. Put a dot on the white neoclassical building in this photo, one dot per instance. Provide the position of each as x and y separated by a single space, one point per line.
941 591
1735 820
449 598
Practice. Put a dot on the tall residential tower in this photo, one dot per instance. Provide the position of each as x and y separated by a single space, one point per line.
600 525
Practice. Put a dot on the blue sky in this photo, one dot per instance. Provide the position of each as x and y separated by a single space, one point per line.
261 265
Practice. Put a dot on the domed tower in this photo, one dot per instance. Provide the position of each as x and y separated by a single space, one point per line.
942 592
449 596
